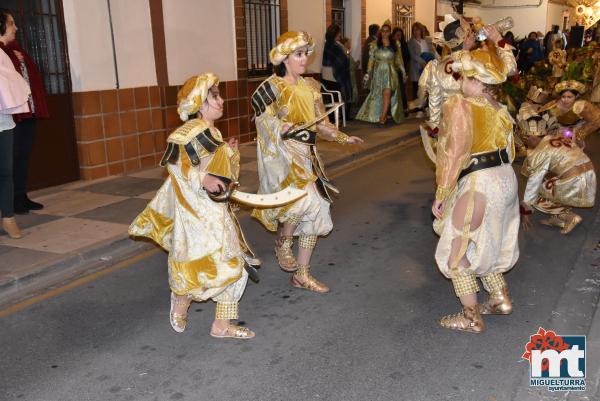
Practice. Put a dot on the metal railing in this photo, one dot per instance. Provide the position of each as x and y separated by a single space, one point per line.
262 29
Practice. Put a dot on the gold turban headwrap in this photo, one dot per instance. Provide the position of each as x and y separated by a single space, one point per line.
481 65
570 85
193 93
460 33
288 43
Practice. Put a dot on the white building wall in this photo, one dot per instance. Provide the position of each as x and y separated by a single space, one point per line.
378 11
527 18
309 16
200 37
133 43
353 26
89 45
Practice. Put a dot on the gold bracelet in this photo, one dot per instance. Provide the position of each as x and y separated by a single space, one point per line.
442 193
342 138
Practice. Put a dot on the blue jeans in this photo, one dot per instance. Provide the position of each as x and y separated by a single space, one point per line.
7 196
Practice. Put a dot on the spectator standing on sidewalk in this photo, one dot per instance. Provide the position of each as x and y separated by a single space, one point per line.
335 72
398 36
421 53
373 30
25 125
14 94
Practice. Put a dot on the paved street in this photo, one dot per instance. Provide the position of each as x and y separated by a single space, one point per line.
374 337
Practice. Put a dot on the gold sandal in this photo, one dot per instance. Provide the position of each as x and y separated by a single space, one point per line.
285 255
468 320
178 321
570 220
310 283
233 331
499 303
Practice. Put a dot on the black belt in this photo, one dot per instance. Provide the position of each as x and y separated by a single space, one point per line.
304 136
486 160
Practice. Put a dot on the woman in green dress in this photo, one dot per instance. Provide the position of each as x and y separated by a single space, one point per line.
385 60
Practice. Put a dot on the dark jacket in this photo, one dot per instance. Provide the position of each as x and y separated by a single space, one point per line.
365 53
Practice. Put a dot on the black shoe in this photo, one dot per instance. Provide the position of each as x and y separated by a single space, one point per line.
21 209
31 205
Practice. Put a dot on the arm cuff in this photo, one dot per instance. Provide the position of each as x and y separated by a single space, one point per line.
341 138
442 193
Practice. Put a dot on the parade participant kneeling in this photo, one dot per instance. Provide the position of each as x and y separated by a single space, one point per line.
207 251
289 116
476 204
571 113
560 176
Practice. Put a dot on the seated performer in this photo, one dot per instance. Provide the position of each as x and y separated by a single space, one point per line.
207 251
529 120
577 115
560 176
476 204
289 116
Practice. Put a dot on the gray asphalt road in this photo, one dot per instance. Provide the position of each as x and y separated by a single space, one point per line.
374 337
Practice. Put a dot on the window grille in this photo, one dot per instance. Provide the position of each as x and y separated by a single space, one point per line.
337 15
262 29
404 17
41 34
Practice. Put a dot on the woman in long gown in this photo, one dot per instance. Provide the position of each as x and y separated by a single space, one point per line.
385 60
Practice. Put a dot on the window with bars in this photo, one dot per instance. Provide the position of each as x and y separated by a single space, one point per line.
337 14
262 29
41 34
403 17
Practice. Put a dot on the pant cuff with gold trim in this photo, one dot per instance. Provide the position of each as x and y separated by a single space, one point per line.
465 284
494 282
307 241
227 310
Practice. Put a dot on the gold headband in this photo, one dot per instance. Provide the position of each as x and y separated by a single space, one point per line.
193 93
570 85
288 43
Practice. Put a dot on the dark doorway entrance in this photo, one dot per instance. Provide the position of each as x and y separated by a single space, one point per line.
42 34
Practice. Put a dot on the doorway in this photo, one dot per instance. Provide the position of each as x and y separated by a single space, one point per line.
41 32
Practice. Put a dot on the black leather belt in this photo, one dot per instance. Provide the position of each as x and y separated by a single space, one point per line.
486 160
305 136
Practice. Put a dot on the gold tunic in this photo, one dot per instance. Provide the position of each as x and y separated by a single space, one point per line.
471 126
290 162
439 81
545 168
583 118
206 248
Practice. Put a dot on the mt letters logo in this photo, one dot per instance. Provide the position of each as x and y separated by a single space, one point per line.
556 362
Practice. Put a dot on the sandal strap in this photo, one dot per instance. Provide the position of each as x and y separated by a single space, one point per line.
240 332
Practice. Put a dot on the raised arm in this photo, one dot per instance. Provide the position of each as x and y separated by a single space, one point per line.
454 146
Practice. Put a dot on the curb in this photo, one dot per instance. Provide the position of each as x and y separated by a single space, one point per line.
117 249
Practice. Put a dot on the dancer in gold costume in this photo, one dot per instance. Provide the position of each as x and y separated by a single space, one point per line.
289 116
207 251
476 204
438 80
572 113
560 175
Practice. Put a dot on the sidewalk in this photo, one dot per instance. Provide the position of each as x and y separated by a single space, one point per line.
83 227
